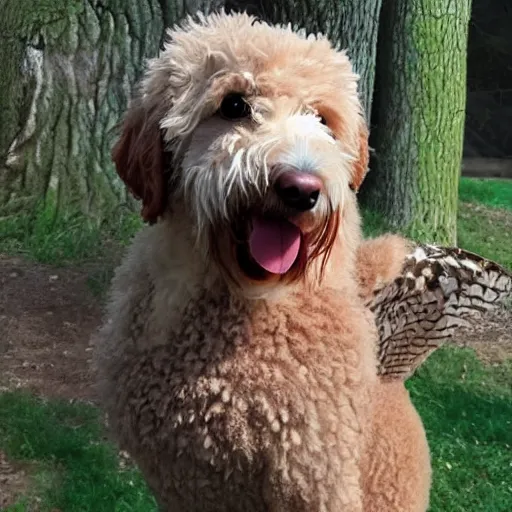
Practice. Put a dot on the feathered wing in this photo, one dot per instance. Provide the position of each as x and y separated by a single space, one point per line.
439 290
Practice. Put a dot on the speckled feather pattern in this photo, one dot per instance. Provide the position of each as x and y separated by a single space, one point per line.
438 290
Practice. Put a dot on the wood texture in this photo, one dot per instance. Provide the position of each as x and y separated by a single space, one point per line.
71 67
419 116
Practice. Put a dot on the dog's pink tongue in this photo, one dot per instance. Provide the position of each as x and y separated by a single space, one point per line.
274 244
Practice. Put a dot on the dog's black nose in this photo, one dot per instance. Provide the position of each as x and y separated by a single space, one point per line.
298 190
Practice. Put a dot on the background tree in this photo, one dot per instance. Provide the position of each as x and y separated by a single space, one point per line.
69 69
72 64
418 116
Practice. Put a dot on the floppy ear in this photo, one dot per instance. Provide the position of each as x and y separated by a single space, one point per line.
139 159
360 166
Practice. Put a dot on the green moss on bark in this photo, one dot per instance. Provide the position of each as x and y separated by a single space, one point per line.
420 105
72 66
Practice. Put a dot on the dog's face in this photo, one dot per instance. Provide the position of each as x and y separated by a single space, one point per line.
255 135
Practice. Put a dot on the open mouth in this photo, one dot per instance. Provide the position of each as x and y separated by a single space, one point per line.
268 246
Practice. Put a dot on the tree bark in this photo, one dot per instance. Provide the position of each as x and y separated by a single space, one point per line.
419 116
71 66
350 24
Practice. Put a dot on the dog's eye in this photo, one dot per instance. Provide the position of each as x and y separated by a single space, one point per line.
234 106
324 122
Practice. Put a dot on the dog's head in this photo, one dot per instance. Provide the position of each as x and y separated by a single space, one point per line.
254 136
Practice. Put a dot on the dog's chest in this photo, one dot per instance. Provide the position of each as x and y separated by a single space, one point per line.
316 342
266 394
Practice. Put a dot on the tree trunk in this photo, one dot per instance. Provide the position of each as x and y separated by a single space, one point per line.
70 67
419 116
69 70
351 24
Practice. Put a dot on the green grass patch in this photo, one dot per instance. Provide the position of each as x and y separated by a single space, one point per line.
495 193
466 408
373 224
485 218
486 231
78 470
69 237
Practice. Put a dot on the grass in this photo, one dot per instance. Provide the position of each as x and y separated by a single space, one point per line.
75 469
484 222
467 412
69 238
486 231
485 218
495 193
466 406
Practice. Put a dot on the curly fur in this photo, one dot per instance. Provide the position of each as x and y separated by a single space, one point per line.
234 393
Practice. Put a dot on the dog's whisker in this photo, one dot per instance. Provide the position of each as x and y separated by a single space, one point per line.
234 174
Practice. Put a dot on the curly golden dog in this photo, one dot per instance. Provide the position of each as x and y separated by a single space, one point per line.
238 364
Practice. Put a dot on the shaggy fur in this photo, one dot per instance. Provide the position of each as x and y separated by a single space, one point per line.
235 389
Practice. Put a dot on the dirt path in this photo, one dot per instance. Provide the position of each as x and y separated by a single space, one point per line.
47 316
14 481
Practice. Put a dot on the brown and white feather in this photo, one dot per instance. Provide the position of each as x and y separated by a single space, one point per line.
439 290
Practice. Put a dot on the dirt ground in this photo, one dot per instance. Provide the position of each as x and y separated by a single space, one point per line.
14 481
47 316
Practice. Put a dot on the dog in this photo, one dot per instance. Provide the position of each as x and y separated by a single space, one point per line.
238 363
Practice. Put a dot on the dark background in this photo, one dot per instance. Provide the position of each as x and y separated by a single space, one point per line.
489 100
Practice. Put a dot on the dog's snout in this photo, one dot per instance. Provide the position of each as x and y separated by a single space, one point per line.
298 190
